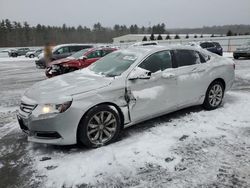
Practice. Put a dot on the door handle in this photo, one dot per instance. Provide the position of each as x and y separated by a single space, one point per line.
168 75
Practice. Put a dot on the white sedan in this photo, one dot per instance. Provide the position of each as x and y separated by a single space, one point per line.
93 105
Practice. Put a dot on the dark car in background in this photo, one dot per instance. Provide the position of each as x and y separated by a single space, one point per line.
213 47
34 53
242 51
18 52
79 60
61 51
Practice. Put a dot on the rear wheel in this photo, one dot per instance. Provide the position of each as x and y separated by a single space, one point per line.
32 55
236 57
214 96
99 127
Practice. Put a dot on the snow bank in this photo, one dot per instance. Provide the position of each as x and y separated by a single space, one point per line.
228 54
16 59
152 146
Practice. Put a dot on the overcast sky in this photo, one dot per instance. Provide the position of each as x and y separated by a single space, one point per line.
174 13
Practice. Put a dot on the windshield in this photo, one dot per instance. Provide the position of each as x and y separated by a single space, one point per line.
79 54
114 64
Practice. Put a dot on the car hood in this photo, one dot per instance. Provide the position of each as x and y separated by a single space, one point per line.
64 60
77 82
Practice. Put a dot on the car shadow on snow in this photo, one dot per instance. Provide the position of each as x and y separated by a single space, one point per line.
126 133
138 128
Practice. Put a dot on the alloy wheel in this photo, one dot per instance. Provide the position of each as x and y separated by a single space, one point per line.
215 95
101 127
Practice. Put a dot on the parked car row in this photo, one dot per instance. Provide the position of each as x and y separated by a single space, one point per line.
24 51
61 51
242 51
93 106
34 53
77 61
210 46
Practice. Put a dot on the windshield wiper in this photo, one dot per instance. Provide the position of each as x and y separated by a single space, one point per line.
111 75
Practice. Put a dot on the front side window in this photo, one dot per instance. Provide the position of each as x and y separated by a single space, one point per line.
203 45
79 54
63 50
158 61
186 57
95 54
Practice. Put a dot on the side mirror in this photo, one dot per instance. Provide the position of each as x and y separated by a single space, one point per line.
83 58
56 53
139 73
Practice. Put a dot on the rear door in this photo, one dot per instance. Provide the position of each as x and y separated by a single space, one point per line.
190 76
61 53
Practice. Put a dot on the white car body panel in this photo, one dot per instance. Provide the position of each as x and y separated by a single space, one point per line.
135 100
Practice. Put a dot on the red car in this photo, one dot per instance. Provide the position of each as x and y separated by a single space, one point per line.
76 61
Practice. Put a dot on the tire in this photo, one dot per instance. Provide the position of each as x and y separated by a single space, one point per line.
31 56
94 132
236 57
214 95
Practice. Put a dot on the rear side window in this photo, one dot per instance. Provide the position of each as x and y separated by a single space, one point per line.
204 57
217 44
186 57
210 45
106 52
158 61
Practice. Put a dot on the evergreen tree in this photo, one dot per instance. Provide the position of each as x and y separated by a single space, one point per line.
201 36
152 37
195 36
144 38
159 37
187 36
177 36
168 37
229 33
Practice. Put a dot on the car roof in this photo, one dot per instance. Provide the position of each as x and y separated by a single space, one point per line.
71 44
155 48
100 48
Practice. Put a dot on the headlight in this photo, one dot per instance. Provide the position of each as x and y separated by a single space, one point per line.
55 108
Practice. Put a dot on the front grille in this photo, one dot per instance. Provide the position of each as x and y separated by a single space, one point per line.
27 108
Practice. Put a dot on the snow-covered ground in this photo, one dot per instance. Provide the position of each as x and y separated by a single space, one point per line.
188 148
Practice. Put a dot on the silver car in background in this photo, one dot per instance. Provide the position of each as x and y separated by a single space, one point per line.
93 105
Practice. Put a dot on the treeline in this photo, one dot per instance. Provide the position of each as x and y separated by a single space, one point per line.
14 34
22 34
216 30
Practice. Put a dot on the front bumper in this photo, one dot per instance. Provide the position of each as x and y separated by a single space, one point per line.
40 63
60 129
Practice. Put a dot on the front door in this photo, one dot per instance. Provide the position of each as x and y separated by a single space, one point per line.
157 95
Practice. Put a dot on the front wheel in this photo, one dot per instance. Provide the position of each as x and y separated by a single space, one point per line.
236 57
99 127
214 96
